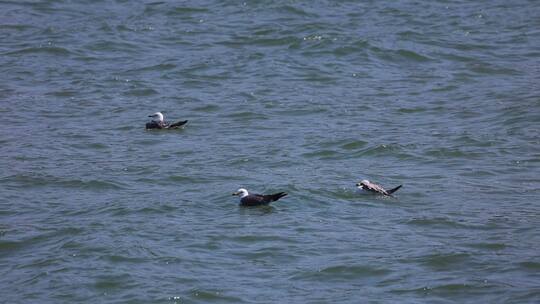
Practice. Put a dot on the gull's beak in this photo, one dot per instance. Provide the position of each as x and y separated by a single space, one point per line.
235 193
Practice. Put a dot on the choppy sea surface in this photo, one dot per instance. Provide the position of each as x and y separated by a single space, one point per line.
307 97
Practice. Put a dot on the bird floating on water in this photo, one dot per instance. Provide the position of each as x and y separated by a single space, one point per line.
370 187
247 199
158 122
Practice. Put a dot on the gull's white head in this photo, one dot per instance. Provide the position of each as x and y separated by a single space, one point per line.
241 192
362 183
157 117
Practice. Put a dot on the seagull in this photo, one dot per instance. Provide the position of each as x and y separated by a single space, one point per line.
247 199
158 123
370 187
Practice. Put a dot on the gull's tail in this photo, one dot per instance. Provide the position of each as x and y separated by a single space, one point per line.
277 196
393 189
178 124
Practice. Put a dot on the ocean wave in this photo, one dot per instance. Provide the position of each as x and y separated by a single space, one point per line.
42 180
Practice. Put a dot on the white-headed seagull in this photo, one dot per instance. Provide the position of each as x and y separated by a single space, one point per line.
158 122
369 187
247 199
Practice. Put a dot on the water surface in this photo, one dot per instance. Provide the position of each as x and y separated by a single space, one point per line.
297 96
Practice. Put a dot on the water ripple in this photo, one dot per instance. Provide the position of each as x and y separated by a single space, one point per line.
295 96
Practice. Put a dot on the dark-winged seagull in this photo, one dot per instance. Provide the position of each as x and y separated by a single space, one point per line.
247 199
370 187
158 123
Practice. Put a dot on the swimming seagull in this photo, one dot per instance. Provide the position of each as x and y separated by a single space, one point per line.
247 199
158 123
368 186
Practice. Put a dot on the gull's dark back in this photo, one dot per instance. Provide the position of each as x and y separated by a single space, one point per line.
260 199
164 125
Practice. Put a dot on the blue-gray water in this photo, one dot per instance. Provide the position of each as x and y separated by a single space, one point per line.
306 97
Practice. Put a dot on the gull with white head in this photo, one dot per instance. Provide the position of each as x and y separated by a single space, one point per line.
369 187
158 122
247 199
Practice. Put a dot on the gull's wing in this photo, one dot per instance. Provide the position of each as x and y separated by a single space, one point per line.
177 124
375 188
259 199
